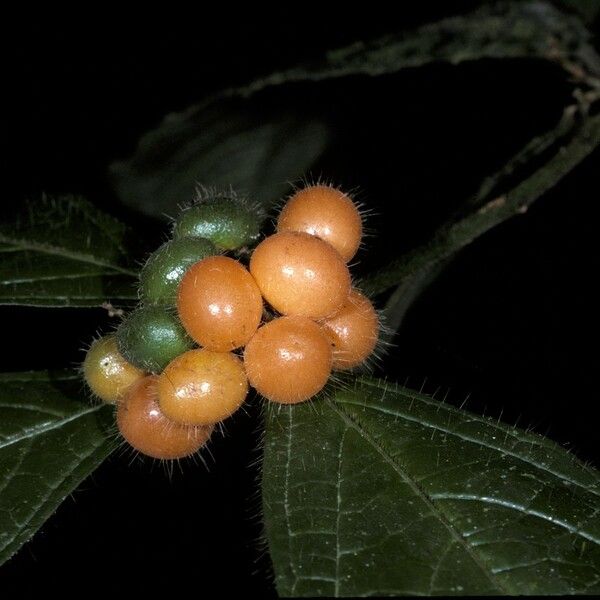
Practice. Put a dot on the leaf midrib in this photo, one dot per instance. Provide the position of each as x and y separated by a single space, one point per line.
39 376
52 277
413 484
35 431
520 508
478 442
22 245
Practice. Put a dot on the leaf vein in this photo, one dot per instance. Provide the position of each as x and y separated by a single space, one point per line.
472 440
64 253
35 431
520 508
428 501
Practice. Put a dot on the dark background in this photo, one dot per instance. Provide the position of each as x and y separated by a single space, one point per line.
512 322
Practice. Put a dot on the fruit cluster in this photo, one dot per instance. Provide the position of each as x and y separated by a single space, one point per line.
207 326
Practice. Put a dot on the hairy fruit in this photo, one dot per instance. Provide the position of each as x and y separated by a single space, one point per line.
299 274
145 427
325 212
106 371
353 331
219 303
288 360
226 221
201 387
166 266
152 336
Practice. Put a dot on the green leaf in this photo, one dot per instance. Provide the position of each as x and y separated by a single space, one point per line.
256 138
64 252
50 440
379 490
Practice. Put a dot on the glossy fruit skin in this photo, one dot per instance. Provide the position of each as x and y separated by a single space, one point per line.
166 266
327 213
299 274
227 222
145 427
288 360
151 336
219 303
106 371
202 387
353 331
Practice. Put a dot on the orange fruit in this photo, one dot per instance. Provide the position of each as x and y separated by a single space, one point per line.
288 360
353 331
299 274
219 303
201 387
327 213
145 427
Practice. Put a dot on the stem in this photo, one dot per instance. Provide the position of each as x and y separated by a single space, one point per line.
488 211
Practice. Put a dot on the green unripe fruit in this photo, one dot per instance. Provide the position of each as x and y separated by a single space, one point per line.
151 337
167 265
227 221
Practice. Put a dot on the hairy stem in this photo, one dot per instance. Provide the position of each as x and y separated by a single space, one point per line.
574 138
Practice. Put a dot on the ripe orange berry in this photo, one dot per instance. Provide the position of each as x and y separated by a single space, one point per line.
288 360
326 212
106 372
219 303
201 387
145 427
299 274
353 331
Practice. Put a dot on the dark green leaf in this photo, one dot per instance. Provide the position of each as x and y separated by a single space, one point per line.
50 440
64 252
379 490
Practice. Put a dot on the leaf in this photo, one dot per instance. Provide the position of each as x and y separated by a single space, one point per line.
49 442
64 252
256 142
379 490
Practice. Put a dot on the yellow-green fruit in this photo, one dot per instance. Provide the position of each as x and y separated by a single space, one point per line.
106 372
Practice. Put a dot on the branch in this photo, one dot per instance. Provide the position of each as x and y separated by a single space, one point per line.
574 138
